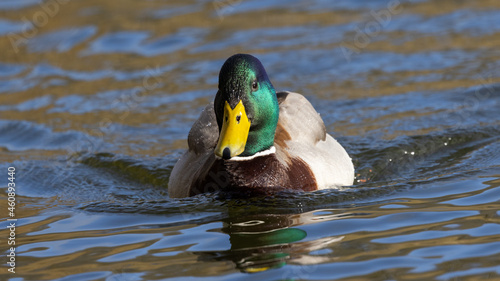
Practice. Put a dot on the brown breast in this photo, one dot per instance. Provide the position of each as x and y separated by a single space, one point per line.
262 174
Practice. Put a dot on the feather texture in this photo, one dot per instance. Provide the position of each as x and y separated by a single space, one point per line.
306 157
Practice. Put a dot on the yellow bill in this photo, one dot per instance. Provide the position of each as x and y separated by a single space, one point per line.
234 133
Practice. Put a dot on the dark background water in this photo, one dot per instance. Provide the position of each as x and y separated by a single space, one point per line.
97 98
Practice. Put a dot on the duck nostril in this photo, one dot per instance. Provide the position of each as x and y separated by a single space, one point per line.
238 118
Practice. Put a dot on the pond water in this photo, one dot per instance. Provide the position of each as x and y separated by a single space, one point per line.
97 98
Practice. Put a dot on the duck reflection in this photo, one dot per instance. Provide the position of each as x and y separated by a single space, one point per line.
264 241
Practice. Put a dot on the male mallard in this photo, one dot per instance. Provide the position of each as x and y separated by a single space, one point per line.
254 138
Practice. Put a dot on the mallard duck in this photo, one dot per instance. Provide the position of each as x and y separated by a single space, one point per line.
251 137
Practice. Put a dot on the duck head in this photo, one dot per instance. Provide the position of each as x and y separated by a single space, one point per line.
246 108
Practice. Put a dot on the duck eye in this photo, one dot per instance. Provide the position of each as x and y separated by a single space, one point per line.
255 86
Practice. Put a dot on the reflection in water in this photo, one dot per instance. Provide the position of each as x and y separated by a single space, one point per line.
262 242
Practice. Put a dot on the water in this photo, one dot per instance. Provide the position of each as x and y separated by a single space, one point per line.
97 98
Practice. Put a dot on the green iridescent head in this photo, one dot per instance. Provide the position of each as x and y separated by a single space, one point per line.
246 108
